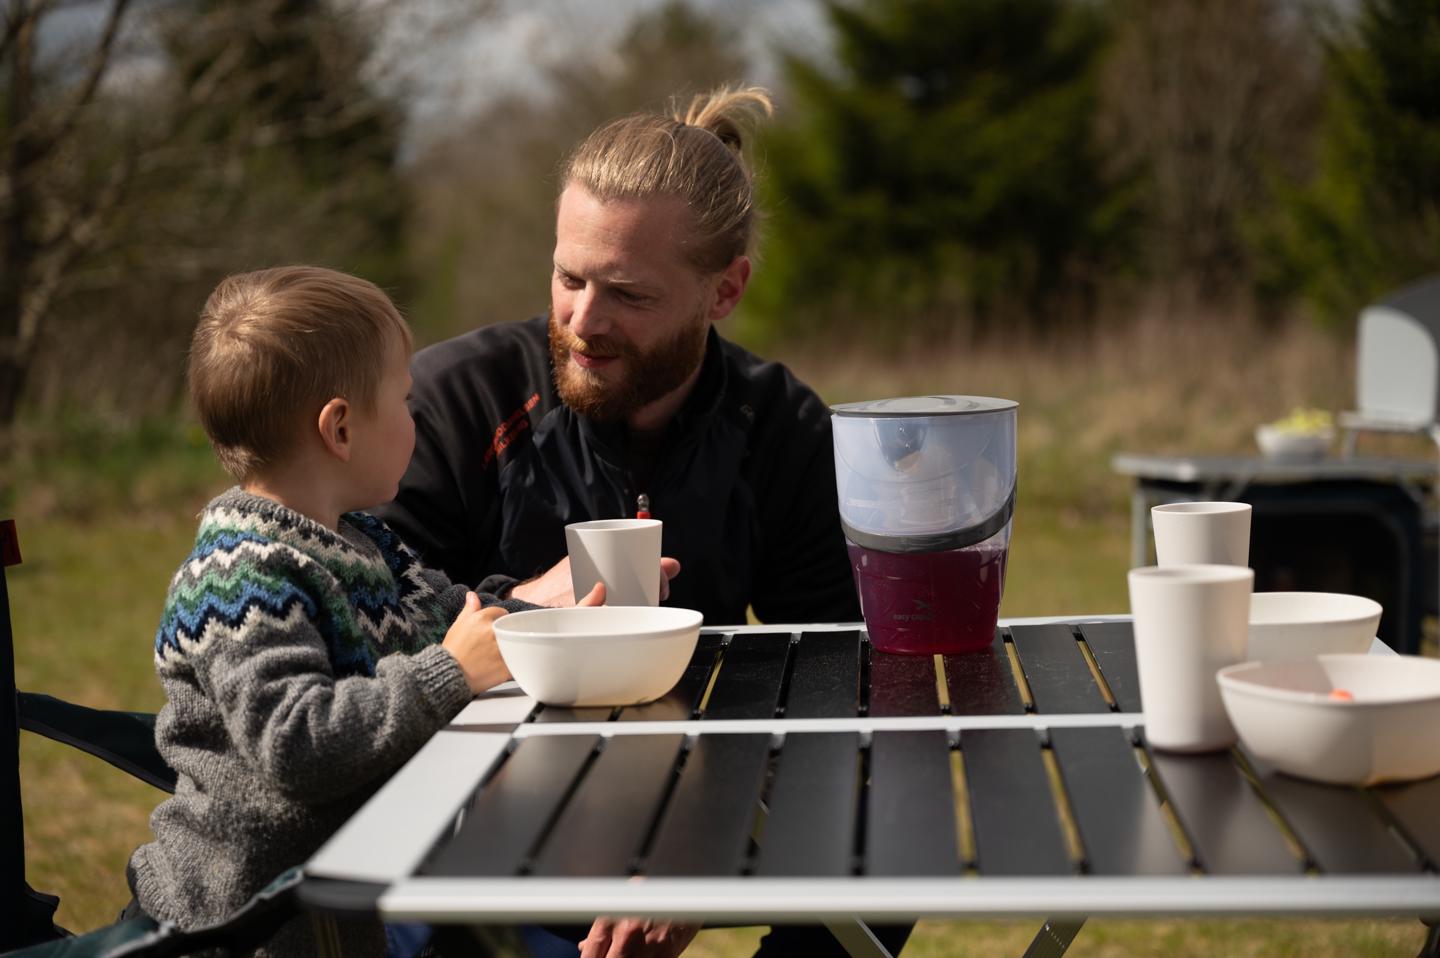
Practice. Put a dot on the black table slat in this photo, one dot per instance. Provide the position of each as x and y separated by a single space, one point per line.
1413 805
1060 681
1220 812
981 683
902 685
1343 831
1017 829
555 713
602 828
706 828
679 704
748 686
825 680
910 811
1113 644
810 829
1116 810
507 817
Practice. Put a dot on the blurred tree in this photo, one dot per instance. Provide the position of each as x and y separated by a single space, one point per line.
1369 220
484 225
1206 101
942 171
52 202
174 143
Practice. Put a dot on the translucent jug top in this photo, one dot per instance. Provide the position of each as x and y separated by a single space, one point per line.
925 465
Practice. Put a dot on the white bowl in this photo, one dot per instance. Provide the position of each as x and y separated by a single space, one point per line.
1389 732
1278 443
598 655
1298 625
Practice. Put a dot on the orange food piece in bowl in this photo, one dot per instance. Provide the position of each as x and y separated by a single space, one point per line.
1341 695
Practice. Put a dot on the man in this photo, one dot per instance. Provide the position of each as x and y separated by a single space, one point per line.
627 391
625 399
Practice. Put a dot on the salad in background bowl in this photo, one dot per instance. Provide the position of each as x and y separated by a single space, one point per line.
1302 435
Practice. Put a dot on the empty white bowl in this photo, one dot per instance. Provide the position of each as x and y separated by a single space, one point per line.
1389 731
1276 443
598 655
1297 625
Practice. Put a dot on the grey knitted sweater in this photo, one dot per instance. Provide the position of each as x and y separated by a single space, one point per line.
302 667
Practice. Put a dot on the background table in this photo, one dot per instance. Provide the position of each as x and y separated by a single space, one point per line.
800 776
1362 525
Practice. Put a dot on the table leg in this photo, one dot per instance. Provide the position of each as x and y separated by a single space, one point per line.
856 938
1053 938
1139 526
1431 948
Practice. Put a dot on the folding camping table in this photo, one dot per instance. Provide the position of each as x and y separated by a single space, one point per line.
795 775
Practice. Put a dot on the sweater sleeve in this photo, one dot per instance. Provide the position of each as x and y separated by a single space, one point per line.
313 736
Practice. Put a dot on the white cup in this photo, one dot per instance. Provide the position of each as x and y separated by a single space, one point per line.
1190 621
1202 533
622 553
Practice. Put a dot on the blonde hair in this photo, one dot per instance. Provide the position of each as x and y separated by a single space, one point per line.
695 154
273 346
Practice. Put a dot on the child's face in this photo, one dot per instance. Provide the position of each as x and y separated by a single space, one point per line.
385 437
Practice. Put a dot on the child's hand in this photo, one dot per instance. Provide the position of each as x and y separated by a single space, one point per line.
471 640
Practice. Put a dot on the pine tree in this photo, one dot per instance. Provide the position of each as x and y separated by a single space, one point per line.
1370 218
942 169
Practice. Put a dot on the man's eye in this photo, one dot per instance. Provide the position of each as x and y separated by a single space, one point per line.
568 281
627 296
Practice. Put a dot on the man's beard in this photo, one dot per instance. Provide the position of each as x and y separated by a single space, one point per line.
648 376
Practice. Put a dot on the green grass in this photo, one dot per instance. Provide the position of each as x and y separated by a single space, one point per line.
106 513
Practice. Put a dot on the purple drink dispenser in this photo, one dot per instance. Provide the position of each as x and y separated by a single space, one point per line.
927 492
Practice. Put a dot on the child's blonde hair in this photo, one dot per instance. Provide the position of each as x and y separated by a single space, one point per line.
273 346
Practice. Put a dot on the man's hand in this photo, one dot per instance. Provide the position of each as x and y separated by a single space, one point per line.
553 587
636 938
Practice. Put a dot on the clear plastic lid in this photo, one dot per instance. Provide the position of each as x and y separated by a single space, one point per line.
911 406
928 470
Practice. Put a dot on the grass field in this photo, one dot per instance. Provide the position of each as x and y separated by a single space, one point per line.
106 514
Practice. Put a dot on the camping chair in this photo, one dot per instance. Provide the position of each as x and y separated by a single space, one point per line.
127 741
1397 383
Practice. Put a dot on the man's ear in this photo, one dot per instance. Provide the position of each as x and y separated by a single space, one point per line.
729 288
334 427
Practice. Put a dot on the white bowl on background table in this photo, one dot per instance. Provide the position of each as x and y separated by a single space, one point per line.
1297 625
598 655
1342 719
1292 446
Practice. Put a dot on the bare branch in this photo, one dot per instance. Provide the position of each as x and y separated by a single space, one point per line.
95 72
75 236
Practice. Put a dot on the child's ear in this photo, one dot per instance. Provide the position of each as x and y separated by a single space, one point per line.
334 427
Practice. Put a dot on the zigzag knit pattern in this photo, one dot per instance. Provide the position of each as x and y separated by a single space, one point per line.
258 565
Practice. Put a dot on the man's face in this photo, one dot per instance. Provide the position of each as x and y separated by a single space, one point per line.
628 313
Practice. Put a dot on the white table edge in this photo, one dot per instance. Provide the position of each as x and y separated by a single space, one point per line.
764 900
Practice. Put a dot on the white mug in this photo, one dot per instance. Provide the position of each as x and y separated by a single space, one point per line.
1190 621
1202 533
622 553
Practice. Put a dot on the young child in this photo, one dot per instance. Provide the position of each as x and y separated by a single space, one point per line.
304 650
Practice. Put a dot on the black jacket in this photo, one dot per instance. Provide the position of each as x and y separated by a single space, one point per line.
744 480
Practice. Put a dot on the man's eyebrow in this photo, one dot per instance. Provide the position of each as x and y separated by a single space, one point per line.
610 280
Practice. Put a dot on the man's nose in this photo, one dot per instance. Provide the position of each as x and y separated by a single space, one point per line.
587 314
